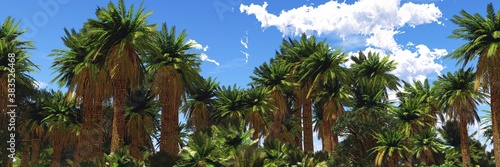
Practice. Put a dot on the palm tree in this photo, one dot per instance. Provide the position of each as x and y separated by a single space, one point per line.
319 65
411 114
175 73
62 123
14 63
481 35
321 125
77 71
275 77
259 104
328 98
276 153
120 36
200 152
459 101
375 72
425 145
199 104
422 91
140 117
390 147
231 104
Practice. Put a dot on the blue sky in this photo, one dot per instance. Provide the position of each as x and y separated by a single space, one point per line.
414 32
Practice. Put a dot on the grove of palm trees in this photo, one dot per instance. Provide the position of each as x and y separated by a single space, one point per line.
127 85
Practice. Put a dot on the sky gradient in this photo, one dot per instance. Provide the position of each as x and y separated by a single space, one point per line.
234 36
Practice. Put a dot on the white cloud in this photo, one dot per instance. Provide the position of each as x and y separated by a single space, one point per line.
195 44
40 84
245 43
204 57
376 21
417 65
246 56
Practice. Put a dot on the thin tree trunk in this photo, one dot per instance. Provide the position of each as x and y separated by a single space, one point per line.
495 109
56 156
308 134
298 114
169 125
464 141
118 129
338 111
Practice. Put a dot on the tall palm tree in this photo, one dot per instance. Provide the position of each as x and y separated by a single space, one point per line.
259 104
459 100
275 77
120 36
174 73
321 126
375 71
390 147
77 71
62 123
14 63
319 65
199 104
141 115
328 98
31 123
481 36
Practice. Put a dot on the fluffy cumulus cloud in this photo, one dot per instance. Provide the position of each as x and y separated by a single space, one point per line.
203 56
376 21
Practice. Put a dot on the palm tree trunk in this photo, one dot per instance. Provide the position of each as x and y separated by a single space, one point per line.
134 148
56 156
393 160
276 131
84 147
25 157
118 129
97 134
495 109
169 124
35 149
338 111
464 141
308 134
326 137
298 114
76 155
